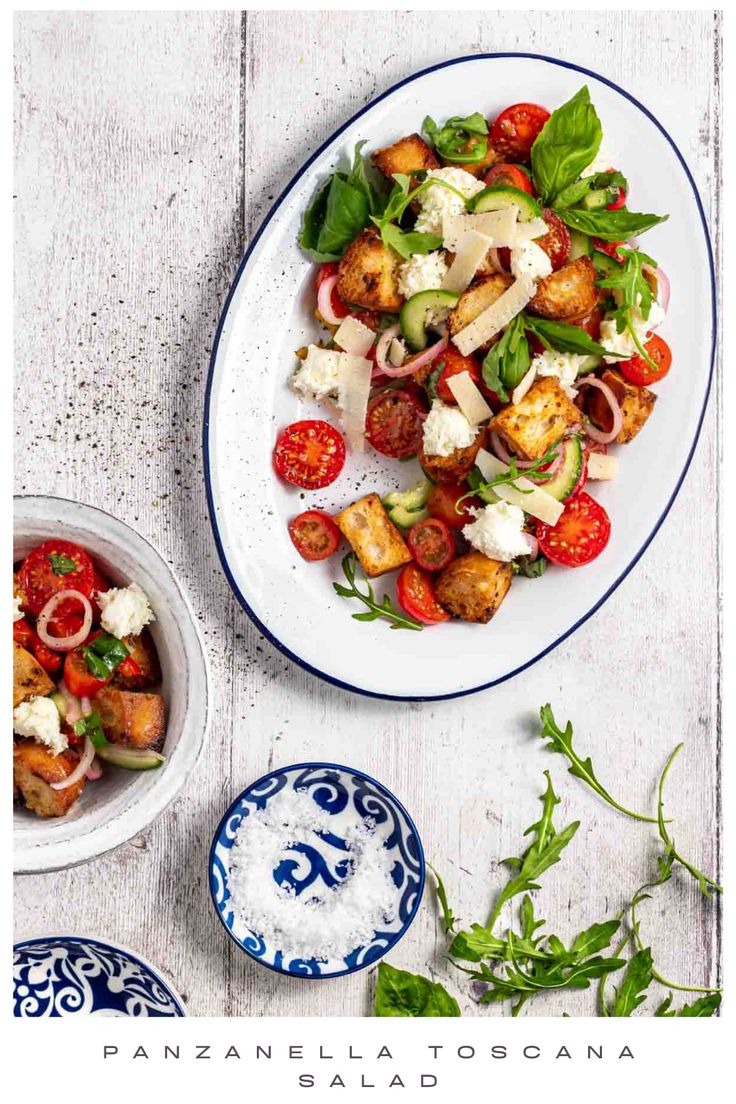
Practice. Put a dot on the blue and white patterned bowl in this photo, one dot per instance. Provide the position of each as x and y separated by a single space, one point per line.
68 975
348 796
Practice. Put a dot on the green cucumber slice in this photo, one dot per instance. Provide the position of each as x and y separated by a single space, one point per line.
595 201
475 480
406 518
60 702
497 197
580 245
564 482
605 264
129 758
415 498
415 312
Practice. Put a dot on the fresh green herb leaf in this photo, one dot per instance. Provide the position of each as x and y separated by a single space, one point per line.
529 568
706 884
408 242
358 179
638 977
384 609
104 655
534 473
704 1006
633 292
595 938
338 212
579 189
561 741
90 726
565 146
508 361
610 226
447 914
62 565
565 338
462 141
662 1009
400 993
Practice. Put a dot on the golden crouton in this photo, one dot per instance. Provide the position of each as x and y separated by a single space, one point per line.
481 167
131 719
29 678
368 274
376 541
637 403
530 426
481 294
455 467
568 294
473 587
34 768
407 156
142 651
18 591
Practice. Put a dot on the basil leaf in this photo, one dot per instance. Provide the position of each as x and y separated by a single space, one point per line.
408 242
529 568
577 191
566 338
460 140
312 221
612 226
62 565
566 145
96 665
358 179
104 655
400 993
346 213
507 362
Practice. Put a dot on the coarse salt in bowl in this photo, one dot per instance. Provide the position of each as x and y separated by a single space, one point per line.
316 870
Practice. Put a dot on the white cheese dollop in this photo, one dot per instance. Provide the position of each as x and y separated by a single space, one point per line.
437 203
445 429
125 610
39 719
530 260
623 343
17 611
423 272
317 376
497 532
565 366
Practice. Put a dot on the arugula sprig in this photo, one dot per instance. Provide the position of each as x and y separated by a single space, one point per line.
463 141
633 292
402 195
508 478
384 609
706 884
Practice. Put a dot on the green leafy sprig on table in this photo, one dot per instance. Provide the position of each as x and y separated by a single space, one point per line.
462 141
383 609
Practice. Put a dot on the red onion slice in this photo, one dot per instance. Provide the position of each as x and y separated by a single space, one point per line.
324 301
64 643
592 431
493 255
504 455
415 363
73 705
533 546
94 771
81 768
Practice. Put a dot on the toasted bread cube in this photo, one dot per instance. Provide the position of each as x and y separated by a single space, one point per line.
532 425
568 294
131 719
29 678
374 538
407 156
637 403
142 650
368 274
34 768
18 591
481 294
473 587
455 467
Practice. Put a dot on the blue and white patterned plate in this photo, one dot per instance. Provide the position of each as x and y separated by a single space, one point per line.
349 796
69 975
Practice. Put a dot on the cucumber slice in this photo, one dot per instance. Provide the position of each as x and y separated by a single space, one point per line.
406 518
475 480
129 758
589 364
605 264
580 245
595 201
60 702
415 312
497 197
415 498
564 482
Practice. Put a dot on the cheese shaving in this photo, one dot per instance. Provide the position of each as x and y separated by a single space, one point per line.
499 226
493 319
522 492
602 466
353 388
471 251
524 385
354 336
469 398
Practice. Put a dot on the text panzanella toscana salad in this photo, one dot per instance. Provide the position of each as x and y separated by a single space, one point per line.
489 312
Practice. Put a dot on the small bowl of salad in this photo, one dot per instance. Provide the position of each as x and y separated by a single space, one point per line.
110 685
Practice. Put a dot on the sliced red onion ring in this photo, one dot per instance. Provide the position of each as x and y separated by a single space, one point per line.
533 546
324 301
81 768
495 260
382 347
64 643
94 772
415 363
663 285
618 418
86 706
73 705
504 455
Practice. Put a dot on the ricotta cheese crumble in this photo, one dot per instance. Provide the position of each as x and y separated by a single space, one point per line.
445 429
38 718
125 611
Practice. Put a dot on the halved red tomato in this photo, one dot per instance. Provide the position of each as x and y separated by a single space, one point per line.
77 677
639 371
618 202
510 176
309 454
50 661
23 633
452 364
443 499
556 242
611 248
53 566
314 534
592 323
416 595
338 307
431 544
579 536
514 131
394 423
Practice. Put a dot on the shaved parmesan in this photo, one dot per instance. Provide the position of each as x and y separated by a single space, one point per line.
494 318
497 225
527 231
522 492
469 399
602 466
397 352
354 337
524 384
353 388
471 250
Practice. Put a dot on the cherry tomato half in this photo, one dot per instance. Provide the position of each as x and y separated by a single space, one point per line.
394 423
338 307
431 544
611 248
510 176
53 566
309 454
556 242
639 371
579 536
453 363
514 131
620 199
50 661
415 592
443 499
314 534
23 633
78 679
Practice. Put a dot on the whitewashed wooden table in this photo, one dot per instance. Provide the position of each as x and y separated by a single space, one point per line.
149 146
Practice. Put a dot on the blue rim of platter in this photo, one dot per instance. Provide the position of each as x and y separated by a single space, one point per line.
321 766
91 941
213 358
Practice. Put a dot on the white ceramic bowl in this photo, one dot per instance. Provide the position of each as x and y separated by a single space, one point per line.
122 803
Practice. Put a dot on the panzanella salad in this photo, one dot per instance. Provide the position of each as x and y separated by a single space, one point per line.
84 666
487 310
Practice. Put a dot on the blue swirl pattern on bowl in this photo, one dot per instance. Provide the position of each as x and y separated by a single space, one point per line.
70 975
348 796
